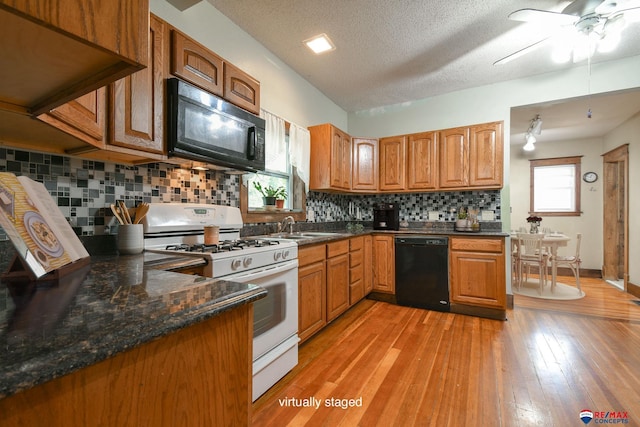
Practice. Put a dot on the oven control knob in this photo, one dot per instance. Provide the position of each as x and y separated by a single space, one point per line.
276 256
285 254
235 264
247 262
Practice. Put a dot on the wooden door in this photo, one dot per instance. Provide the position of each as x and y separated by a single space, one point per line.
137 101
312 294
364 168
478 279
340 162
486 155
337 286
83 118
196 64
615 264
383 264
453 147
392 163
422 161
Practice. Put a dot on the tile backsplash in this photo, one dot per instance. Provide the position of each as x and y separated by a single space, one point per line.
84 189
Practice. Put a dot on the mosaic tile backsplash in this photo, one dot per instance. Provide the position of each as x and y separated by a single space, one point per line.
84 189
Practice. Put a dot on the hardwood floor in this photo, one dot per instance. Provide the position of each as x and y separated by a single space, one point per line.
403 366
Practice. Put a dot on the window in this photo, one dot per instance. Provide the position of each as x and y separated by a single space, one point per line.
277 174
555 186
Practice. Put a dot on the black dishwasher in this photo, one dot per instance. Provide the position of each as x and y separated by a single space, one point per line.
422 272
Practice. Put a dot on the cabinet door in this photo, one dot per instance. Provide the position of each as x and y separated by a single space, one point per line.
137 101
454 154
196 64
312 295
364 176
241 89
486 155
337 286
384 264
392 163
422 161
340 167
478 279
83 118
356 270
368 264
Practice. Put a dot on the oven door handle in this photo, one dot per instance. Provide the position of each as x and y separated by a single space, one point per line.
263 272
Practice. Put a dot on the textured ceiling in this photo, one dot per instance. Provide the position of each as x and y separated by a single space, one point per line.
393 51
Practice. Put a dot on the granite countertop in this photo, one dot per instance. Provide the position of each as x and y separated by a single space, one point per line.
49 329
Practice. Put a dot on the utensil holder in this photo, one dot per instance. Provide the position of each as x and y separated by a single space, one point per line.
130 239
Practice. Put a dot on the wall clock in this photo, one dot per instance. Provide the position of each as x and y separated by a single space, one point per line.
590 177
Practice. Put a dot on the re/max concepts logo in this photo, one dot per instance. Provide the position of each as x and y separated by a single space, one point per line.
612 417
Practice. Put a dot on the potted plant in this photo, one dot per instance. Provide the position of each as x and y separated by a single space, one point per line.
280 198
463 221
270 194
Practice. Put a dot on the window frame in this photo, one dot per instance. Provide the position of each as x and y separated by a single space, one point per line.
558 161
254 217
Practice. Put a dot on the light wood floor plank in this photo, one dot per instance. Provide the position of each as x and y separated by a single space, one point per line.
414 367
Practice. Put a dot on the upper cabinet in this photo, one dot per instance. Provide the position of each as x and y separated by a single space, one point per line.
330 152
364 164
392 163
241 89
194 63
54 52
422 161
471 157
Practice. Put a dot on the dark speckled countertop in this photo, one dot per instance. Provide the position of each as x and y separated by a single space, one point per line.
116 303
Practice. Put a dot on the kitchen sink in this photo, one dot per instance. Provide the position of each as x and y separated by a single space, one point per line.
304 235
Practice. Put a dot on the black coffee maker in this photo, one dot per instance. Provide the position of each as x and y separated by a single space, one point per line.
386 216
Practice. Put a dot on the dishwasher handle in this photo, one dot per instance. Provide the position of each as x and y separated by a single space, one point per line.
422 241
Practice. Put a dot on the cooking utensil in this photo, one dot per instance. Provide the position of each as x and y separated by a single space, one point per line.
141 211
116 213
124 212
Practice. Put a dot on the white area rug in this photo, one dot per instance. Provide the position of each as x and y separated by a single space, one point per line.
561 292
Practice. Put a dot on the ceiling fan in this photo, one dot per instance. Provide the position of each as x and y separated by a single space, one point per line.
579 29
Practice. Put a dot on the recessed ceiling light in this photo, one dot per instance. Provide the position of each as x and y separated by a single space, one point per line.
320 44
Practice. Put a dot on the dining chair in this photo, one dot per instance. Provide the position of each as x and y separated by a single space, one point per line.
572 261
531 253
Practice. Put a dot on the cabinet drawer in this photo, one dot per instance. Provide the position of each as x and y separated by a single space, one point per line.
356 274
356 243
337 248
480 245
309 255
355 258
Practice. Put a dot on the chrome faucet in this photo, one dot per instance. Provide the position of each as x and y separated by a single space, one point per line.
286 220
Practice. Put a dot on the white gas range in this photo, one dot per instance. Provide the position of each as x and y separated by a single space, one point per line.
270 263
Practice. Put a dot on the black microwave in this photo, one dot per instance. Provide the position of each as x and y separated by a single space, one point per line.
203 127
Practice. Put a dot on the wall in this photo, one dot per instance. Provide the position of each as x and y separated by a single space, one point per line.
590 222
629 133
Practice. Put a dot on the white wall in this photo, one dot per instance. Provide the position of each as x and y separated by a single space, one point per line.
590 222
629 133
283 92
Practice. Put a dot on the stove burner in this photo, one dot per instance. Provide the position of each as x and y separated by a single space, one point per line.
224 246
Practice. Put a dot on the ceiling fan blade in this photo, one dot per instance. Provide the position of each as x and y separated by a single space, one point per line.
521 52
543 17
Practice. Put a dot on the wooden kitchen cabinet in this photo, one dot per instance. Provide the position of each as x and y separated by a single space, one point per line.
471 157
364 167
477 272
83 118
486 155
312 291
194 63
337 278
356 270
453 150
383 264
422 161
137 101
368 264
241 89
392 163
330 151
55 52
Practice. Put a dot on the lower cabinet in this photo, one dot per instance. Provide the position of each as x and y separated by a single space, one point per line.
312 291
337 278
356 270
477 272
384 279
